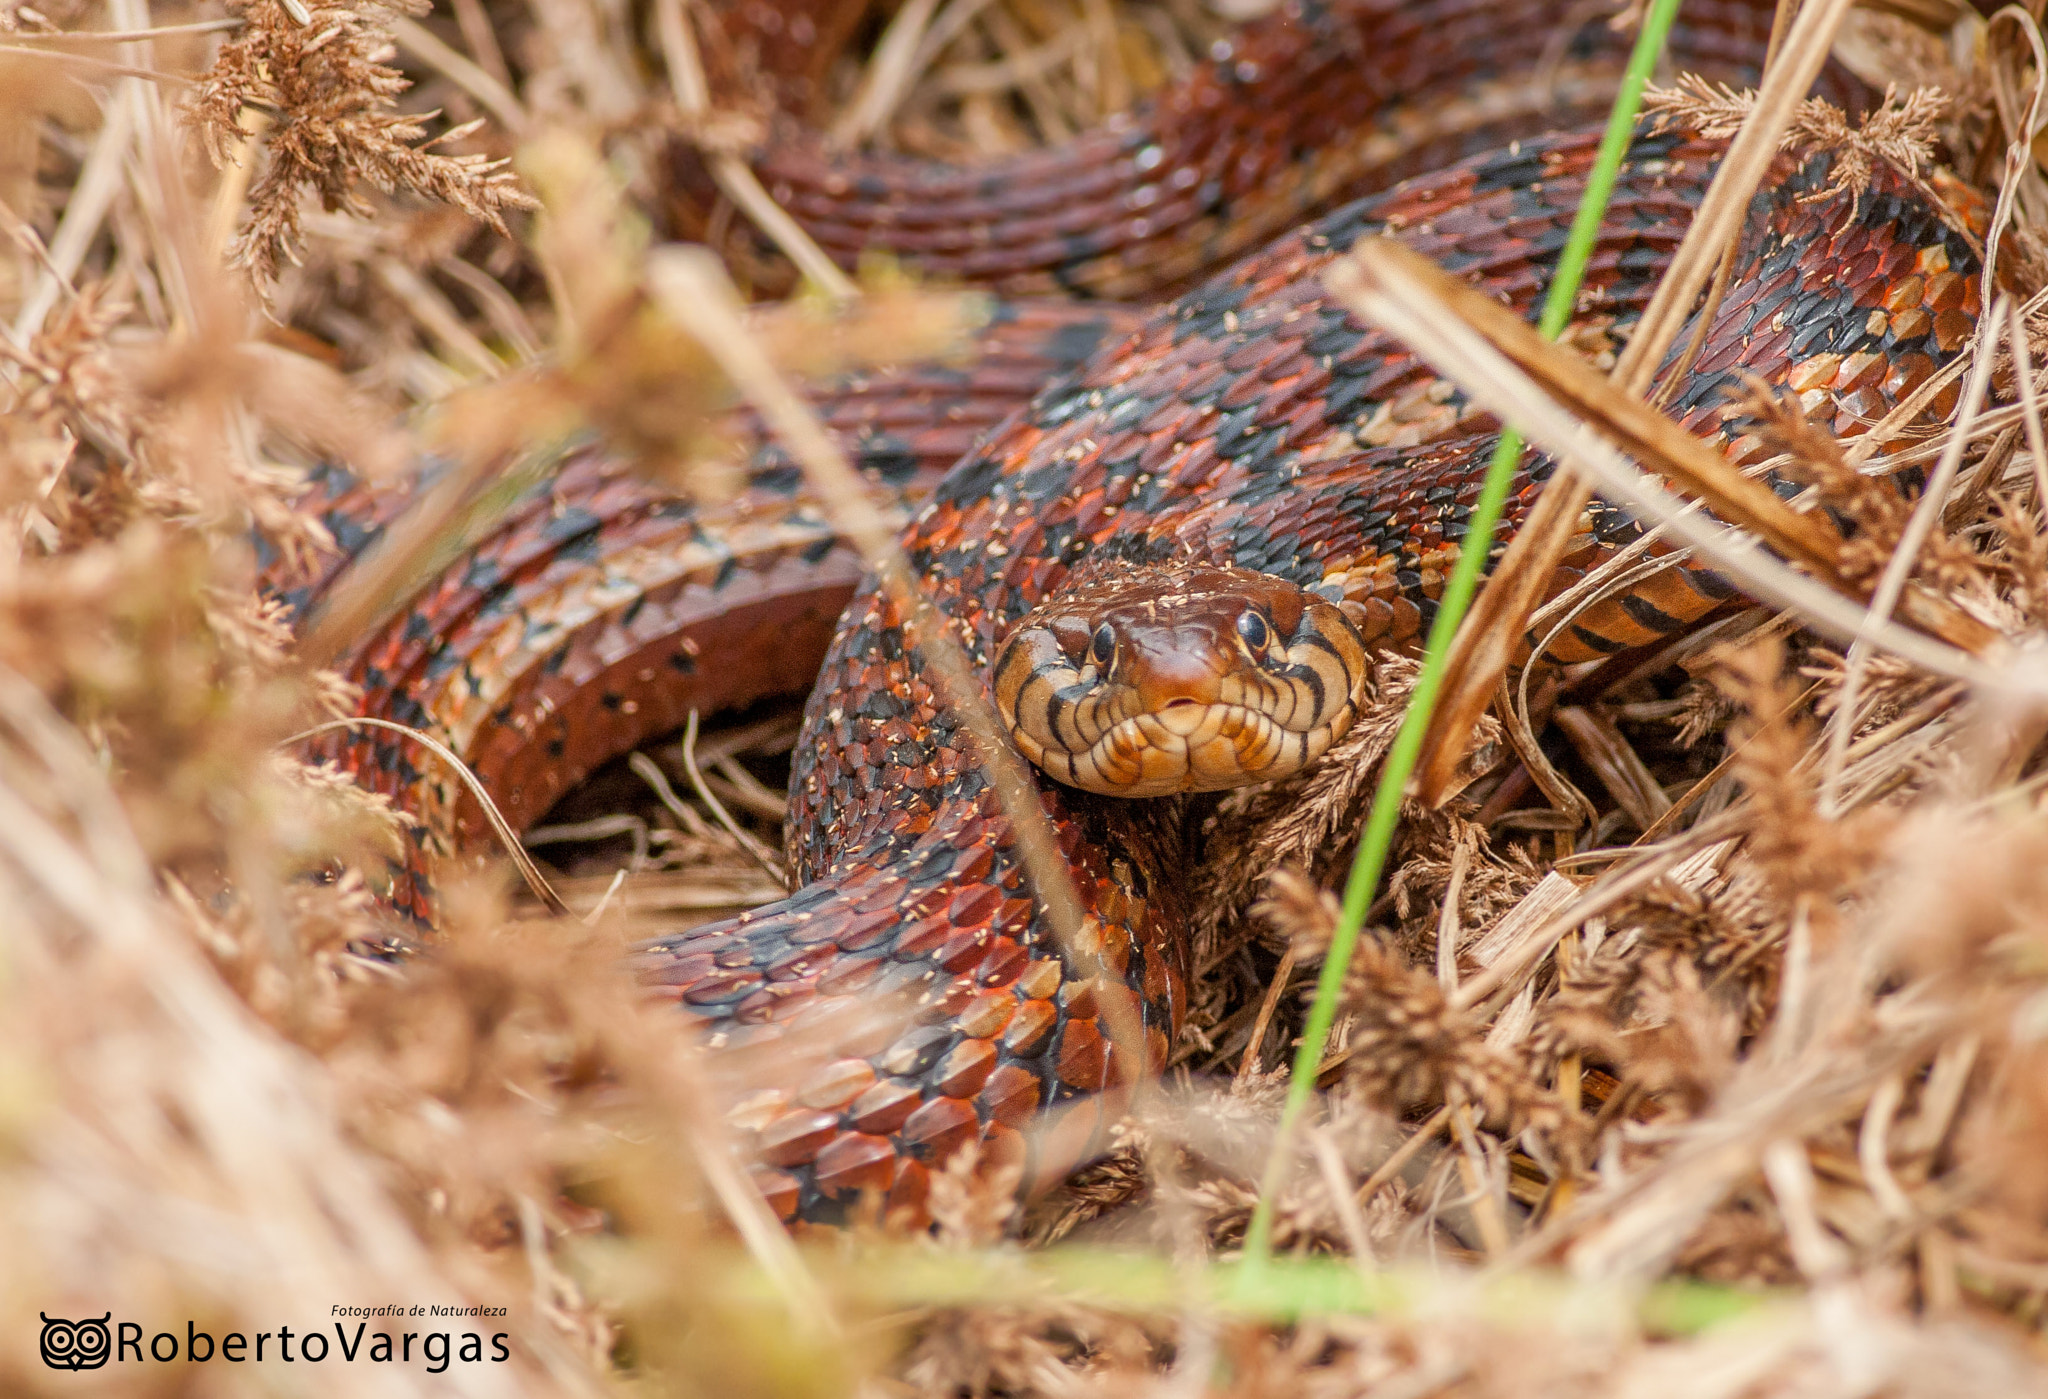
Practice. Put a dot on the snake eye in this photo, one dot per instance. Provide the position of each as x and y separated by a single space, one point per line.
1102 648
1252 628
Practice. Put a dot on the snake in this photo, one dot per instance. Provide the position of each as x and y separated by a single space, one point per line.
1172 537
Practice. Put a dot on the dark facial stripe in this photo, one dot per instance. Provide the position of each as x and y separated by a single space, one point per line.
1030 700
1308 675
1317 640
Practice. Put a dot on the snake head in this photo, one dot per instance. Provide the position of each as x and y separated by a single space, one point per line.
1140 681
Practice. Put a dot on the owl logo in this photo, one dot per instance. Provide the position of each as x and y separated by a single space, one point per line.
75 1345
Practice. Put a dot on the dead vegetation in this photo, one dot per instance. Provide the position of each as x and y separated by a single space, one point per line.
1700 1049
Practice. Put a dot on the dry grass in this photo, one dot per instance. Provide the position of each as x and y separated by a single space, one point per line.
1721 1071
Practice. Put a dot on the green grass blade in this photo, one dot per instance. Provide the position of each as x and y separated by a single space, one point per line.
892 1276
1378 839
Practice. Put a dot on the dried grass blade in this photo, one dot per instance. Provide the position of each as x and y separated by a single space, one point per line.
1484 647
1410 311
1742 169
287 1181
890 72
124 36
495 98
1898 569
1567 386
92 196
2021 183
2030 404
761 854
1636 428
1493 630
1502 612
500 827
733 175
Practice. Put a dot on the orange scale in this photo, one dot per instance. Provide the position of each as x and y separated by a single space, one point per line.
1911 323
1083 1055
1945 401
849 975
772 1003
757 1110
1859 411
1116 954
927 903
1156 1048
905 1205
883 1107
940 1127
1863 269
1070 841
1810 374
866 929
987 1014
1010 1096
1946 291
1898 258
1042 978
1004 962
722 987
964 949
1067 1136
853 1163
1078 998
1908 372
1865 369
1952 329
1748 450
1003 1146
1031 1028
944 1001
798 962
921 939
836 1084
974 906
779 1189
1118 999
684 971
965 1068
977 863
796 1137
1305 423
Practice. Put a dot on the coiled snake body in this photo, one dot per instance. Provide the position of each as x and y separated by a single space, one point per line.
1251 425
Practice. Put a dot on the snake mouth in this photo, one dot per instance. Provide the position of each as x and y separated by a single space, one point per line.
1151 680
1187 746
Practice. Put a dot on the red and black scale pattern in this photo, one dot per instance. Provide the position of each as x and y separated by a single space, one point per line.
601 608
1234 428
1315 104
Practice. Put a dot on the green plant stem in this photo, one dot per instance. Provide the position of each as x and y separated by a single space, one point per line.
1459 589
880 1277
